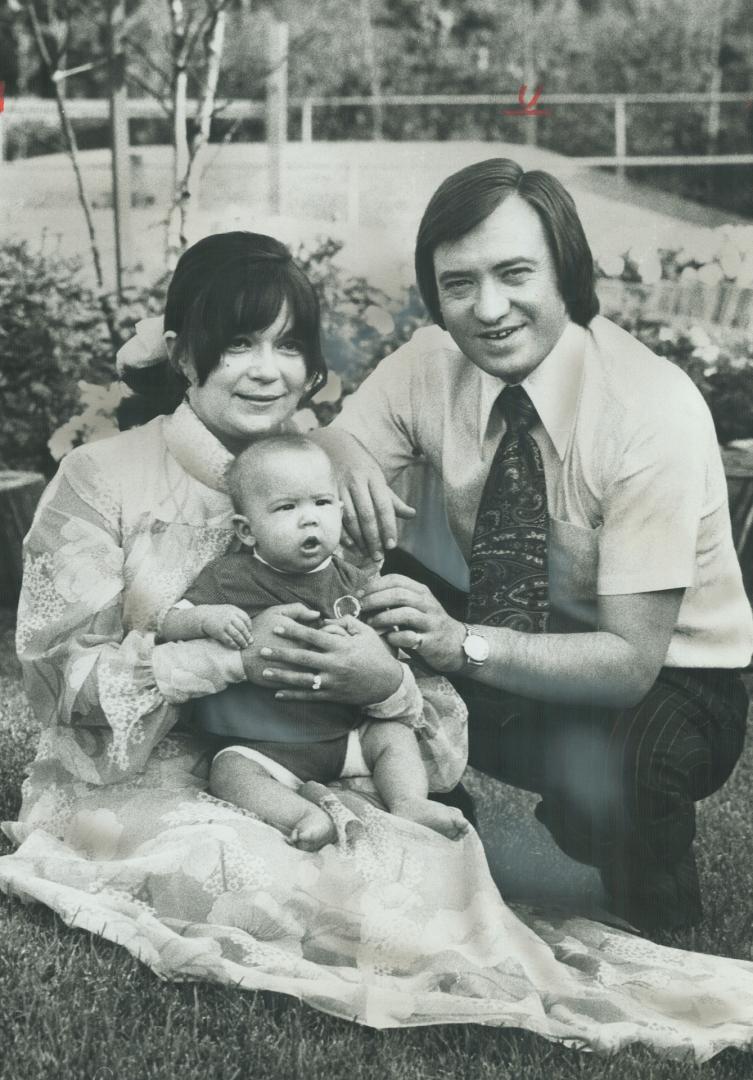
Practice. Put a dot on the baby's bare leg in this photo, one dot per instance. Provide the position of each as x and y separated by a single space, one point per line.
238 779
391 751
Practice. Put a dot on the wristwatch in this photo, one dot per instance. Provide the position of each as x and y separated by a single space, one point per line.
475 647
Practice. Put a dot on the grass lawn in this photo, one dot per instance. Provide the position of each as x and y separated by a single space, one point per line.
75 1006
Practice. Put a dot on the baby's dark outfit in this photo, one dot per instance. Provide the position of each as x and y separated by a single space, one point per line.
308 738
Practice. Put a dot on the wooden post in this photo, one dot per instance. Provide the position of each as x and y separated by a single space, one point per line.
120 144
372 68
620 134
529 66
307 121
277 110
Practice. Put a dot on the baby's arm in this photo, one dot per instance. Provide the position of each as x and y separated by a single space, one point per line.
223 622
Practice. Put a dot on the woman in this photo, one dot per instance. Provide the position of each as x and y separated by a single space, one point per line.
391 926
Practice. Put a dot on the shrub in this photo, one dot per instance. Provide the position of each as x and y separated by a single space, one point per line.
51 333
52 338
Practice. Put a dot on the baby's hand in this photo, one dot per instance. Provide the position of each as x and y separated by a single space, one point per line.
226 624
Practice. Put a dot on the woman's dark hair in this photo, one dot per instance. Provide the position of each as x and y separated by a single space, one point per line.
469 196
226 285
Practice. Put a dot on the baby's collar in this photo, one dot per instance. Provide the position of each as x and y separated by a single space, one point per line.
321 566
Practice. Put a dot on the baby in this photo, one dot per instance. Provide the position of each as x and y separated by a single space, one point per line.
289 520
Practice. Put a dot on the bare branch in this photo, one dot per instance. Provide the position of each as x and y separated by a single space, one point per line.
213 47
59 75
131 76
227 138
204 26
177 13
72 149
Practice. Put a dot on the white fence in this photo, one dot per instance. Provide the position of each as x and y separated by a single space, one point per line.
28 109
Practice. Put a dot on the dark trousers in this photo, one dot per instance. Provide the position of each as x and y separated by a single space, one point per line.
618 786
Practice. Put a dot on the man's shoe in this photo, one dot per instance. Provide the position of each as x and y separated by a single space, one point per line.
653 897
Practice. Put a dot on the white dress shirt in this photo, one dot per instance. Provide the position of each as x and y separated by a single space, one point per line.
635 484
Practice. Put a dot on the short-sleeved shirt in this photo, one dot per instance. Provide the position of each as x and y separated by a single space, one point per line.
241 579
636 489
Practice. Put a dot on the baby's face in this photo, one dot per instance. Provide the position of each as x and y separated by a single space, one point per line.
293 510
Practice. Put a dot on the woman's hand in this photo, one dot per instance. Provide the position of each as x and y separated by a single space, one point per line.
354 668
415 620
370 506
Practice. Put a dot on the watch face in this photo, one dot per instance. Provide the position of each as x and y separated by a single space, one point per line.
476 648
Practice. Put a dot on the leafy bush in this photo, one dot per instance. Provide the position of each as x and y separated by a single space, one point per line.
52 337
721 367
51 333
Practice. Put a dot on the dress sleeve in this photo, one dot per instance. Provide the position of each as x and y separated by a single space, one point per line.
83 670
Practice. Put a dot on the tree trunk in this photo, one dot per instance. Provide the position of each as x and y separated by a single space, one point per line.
19 495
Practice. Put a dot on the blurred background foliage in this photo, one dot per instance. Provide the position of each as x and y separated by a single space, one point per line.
343 47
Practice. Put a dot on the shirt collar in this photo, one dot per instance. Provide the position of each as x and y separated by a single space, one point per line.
277 570
553 387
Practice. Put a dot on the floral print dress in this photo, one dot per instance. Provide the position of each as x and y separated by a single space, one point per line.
391 926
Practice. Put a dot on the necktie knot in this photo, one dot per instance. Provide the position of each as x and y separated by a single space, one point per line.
518 409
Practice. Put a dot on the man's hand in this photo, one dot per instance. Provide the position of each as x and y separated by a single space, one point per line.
415 620
268 625
370 506
227 624
354 668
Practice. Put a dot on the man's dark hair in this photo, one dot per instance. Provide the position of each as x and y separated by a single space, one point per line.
469 196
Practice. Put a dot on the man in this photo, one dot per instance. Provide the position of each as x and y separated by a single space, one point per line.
598 622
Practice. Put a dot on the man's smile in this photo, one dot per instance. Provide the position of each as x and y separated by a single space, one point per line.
500 334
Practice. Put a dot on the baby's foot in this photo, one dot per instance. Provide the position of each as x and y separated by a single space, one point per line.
446 820
313 830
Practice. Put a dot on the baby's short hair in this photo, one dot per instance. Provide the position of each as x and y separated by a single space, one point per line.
254 456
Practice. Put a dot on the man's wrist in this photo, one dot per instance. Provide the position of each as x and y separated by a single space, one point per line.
474 648
454 662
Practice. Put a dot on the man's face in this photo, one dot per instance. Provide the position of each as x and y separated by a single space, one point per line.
498 292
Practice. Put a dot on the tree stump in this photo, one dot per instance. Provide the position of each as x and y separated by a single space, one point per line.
19 495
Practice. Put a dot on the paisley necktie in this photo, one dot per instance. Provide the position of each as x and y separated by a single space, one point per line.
509 583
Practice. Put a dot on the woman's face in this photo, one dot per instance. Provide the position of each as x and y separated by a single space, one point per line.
255 387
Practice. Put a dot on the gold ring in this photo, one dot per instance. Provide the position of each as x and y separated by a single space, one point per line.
317 683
